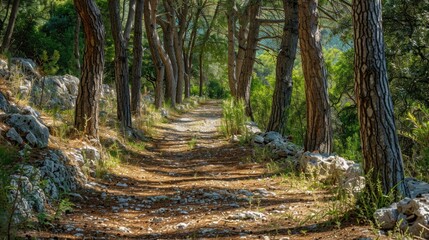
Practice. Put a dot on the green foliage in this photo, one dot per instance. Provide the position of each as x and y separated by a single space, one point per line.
216 90
262 88
44 28
64 206
341 93
372 198
50 64
192 143
418 119
7 167
234 117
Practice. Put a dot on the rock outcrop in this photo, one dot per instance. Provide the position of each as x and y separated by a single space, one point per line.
410 215
55 92
32 129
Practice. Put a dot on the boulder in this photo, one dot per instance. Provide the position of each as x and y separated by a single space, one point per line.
410 214
55 92
386 217
4 69
417 188
26 65
91 153
257 140
13 135
35 132
272 136
4 104
252 127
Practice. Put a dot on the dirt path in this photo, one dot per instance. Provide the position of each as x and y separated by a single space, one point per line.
191 183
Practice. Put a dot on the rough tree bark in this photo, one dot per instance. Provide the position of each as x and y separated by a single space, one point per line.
285 61
86 114
137 59
130 20
169 30
178 45
121 67
7 38
232 18
203 44
76 47
189 55
319 131
244 80
149 11
380 146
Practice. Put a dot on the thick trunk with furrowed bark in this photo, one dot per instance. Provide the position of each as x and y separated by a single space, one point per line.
380 146
137 59
319 131
86 114
285 61
121 67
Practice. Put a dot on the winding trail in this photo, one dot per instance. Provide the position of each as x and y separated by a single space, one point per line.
191 183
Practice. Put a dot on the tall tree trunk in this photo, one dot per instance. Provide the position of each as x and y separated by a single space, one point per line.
7 38
150 9
76 43
3 21
232 77
121 67
203 47
189 56
137 59
130 20
285 61
244 81
86 114
242 37
379 141
319 132
178 45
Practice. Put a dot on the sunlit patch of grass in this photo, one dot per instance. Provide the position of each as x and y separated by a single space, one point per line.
192 143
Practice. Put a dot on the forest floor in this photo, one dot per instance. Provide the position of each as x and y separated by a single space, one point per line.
191 183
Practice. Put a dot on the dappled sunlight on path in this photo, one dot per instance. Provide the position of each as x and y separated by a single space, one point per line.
190 182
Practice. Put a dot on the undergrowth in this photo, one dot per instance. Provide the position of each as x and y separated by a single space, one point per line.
7 167
234 118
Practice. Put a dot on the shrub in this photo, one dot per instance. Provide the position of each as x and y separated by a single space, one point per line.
234 117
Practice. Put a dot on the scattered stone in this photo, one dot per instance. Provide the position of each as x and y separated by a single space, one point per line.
119 184
252 127
159 198
164 113
247 215
265 193
245 192
91 153
182 225
156 220
124 229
